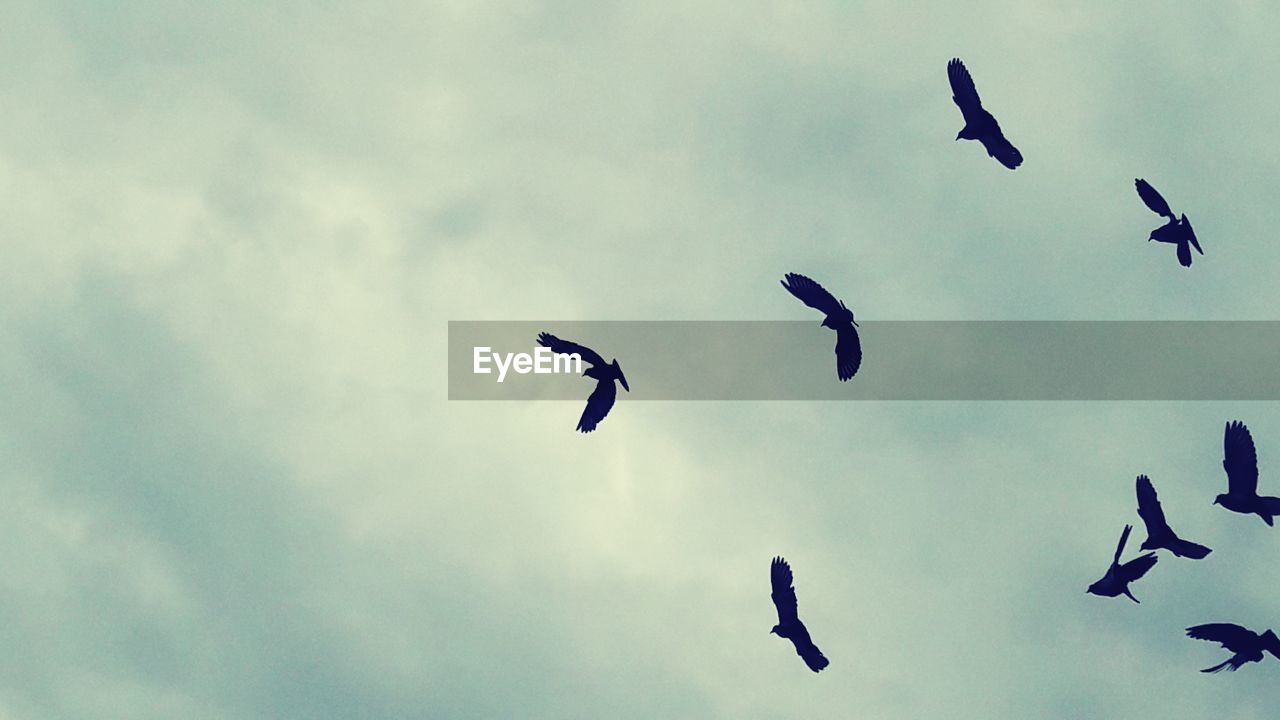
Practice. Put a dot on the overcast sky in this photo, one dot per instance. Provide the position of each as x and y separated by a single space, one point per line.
233 236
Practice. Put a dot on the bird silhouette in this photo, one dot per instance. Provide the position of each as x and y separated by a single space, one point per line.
1246 645
1116 581
1159 534
1240 460
789 625
838 318
1176 231
601 399
979 124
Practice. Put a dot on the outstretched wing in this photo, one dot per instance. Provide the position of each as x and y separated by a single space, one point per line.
1229 635
848 351
1191 233
1240 459
598 404
784 596
1153 199
564 347
1149 508
812 294
1136 567
963 91
1001 149
1124 538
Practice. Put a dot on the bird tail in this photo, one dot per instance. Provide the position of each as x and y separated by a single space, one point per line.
816 660
1188 549
1220 667
1270 506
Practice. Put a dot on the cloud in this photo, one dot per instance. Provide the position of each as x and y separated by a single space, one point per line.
234 237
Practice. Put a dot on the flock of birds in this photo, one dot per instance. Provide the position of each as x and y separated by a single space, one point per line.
1240 461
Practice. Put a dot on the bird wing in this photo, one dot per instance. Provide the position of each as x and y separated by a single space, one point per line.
1152 198
1149 507
1240 459
963 91
1229 635
1136 567
1124 538
999 147
564 347
1184 252
848 351
598 404
1191 233
784 596
812 294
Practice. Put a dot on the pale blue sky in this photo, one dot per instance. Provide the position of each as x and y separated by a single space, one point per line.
233 487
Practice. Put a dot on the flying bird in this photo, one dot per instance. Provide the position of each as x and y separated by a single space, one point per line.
979 124
1176 231
838 318
1240 460
1159 534
1246 645
601 399
1116 581
789 625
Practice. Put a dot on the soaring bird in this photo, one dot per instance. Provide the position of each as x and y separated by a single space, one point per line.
839 318
789 625
1246 645
1176 231
979 124
1159 534
1116 581
601 399
1240 460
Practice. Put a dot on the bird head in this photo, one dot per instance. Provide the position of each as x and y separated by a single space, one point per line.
621 378
960 135
1218 500
775 630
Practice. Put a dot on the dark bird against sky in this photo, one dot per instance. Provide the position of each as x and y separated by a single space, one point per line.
1116 581
1159 534
1240 460
1246 645
789 625
838 318
601 399
1176 231
979 124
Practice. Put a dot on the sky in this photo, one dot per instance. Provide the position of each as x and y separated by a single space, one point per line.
233 237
